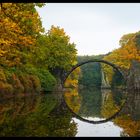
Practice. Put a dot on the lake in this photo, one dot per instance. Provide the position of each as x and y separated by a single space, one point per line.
48 115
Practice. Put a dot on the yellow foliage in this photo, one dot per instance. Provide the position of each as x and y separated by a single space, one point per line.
72 80
109 107
73 100
2 76
129 126
19 27
123 56
6 88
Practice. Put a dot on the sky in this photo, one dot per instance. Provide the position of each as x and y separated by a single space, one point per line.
95 28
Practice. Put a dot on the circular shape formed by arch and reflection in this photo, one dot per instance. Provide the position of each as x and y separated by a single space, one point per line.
78 116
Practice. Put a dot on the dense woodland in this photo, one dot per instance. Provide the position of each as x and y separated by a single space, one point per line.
32 60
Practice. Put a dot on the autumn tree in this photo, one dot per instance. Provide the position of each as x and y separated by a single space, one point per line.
60 54
19 27
123 56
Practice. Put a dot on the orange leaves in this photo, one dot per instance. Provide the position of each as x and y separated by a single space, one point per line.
19 27
130 127
127 52
2 53
72 80
26 40
123 56
12 34
73 100
71 83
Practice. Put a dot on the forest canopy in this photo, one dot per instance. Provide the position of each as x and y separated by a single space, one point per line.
30 58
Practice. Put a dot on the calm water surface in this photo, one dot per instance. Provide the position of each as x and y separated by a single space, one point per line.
47 115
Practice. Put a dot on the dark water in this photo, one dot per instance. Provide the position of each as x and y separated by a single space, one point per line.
47 115
95 104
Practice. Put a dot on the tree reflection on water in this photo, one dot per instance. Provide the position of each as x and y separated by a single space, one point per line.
35 116
97 104
47 115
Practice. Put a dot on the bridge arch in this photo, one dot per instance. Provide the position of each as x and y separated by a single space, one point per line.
92 61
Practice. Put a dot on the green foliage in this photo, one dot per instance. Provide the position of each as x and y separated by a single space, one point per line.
91 75
22 81
40 4
91 102
125 38
41 78
61 53
29 57
54 50
41 120
91 72
48 81
40 55
118 80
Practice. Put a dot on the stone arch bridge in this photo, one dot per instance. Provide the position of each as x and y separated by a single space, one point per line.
66 74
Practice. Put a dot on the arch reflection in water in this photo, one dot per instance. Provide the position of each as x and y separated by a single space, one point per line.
95 92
